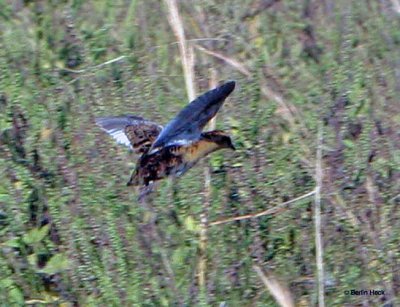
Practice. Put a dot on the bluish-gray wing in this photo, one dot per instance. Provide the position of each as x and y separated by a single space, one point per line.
132 131
189 123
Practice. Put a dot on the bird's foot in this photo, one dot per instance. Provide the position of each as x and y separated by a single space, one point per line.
145 191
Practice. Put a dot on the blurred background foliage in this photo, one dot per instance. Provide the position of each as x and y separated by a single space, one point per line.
73 234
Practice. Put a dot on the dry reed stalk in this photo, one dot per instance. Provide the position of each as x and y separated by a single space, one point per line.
187 58
396 6
273 210
186 51
232 62
280 292
318 232
146 201
90 68
202 266
287 110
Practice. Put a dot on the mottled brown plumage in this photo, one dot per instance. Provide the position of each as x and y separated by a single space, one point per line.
132 131
142 136
177 159
172 150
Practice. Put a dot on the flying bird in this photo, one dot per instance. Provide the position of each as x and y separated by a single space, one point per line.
174 149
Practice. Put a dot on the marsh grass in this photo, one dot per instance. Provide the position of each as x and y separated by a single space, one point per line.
70 230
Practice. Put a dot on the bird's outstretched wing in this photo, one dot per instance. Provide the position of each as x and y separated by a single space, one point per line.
132 131
189 123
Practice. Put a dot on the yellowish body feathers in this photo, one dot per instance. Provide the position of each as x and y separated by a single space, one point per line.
199 150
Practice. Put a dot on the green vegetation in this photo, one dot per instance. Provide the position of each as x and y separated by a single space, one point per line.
72 233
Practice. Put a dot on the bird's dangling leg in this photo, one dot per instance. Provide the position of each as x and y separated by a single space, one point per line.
145 191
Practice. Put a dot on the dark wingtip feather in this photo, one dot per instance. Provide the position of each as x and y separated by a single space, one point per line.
227 87
230 85
214 96
191 120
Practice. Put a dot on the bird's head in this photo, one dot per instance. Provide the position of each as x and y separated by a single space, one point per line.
222 139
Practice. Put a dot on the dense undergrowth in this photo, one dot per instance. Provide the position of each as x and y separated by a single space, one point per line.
72 233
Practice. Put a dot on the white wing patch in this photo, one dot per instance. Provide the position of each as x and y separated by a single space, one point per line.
132 131
180 142
119 136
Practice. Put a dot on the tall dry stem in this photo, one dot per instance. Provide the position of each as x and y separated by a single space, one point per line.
280 292
185 50
318 232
